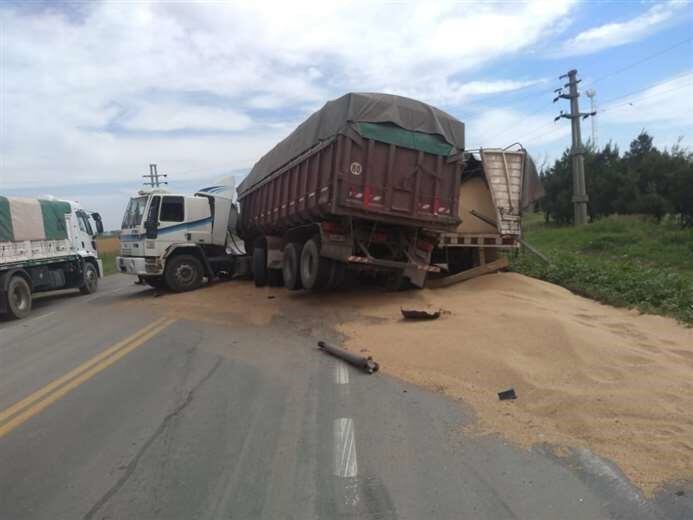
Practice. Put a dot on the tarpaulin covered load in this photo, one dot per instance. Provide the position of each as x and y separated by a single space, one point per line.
32 219
384 117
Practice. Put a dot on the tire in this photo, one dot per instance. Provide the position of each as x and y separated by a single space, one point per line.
315 270
183 273
91 279
260 267
291 266
157 282
18 298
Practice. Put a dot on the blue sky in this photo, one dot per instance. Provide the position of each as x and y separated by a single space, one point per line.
91 93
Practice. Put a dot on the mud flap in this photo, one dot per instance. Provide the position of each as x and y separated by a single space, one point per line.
416 275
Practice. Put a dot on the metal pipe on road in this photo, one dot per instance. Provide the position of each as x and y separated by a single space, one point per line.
364 363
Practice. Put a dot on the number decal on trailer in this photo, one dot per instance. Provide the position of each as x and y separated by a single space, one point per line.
355 168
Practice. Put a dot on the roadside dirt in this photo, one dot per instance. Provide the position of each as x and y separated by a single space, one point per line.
586 374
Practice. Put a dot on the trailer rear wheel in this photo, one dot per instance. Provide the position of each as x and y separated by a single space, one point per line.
183 273
291 266
90 280
18 298
315 270
260 267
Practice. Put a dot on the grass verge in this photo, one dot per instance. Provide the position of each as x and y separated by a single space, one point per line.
623 261
108 248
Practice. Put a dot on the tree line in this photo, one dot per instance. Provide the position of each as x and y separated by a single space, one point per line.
643 180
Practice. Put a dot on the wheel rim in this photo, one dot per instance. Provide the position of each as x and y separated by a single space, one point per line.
185 274
91 277
20 299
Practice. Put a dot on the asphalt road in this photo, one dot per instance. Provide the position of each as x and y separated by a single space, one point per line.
109 410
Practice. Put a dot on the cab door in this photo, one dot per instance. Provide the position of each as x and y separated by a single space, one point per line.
84 234
172 225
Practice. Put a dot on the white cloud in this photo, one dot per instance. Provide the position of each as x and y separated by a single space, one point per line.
70 85
165 117
619 33
455 93
668 101
500 127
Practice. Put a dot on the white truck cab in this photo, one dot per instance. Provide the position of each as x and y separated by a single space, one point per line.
175 241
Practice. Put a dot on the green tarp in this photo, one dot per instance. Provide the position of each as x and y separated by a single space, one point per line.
32 219
392 134
5 220
54 218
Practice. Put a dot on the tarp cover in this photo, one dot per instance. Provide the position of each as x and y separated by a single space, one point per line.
32 219
341 115
6 233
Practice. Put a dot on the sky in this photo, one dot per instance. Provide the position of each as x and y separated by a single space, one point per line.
91 93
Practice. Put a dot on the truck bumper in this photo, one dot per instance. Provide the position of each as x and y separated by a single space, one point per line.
139 266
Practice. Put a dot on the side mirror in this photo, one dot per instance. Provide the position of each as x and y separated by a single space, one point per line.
151 228
98 222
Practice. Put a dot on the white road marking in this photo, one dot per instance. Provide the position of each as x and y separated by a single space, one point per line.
341 374
345 464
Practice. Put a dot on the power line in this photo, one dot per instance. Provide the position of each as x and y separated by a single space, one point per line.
616 72
642 60
651 86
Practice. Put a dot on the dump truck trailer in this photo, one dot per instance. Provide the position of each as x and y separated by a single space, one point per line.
45 245
367 183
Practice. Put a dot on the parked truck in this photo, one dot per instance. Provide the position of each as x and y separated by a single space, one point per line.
45 245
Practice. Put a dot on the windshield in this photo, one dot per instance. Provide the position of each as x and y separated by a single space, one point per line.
134 212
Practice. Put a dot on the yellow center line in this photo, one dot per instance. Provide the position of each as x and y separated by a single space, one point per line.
41 399
73 373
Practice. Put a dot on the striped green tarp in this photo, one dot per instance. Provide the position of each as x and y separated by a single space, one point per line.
5 220
32 219
54 218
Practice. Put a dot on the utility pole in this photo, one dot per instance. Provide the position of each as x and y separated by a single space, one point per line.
577 151
153 177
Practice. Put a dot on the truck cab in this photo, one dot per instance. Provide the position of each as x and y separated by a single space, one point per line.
176 241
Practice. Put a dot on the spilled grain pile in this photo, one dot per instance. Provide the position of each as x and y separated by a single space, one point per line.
587 375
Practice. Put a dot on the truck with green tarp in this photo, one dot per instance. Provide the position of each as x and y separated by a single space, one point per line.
45 244
364 184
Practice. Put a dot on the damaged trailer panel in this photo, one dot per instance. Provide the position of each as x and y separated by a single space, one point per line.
496 186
